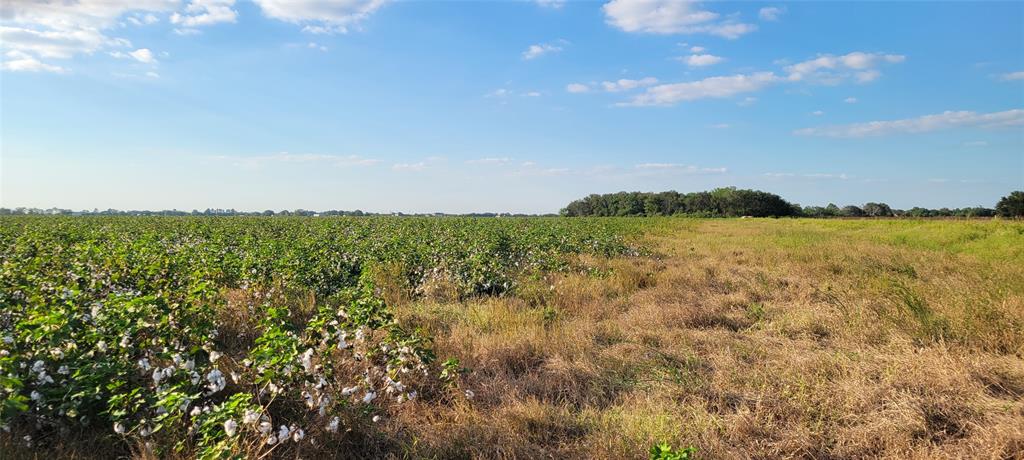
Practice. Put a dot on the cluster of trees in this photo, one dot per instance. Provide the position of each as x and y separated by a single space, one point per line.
731 202
720 202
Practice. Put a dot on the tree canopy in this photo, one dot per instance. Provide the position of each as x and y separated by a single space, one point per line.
724 202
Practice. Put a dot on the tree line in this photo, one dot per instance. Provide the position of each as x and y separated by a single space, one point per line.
734 202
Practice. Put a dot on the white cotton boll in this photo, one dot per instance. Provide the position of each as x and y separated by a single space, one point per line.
265 428
157 376
349 391
376 418
214 356
250 417
307 360
333 425
118 428
298 434
283 432
101 346
470 394
370 396
190 364
230 427
144 364
38 366
36 396
196 411
271 440
8 339
63 370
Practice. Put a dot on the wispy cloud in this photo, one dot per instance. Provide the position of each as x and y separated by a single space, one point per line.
830 69
700 60
320 17
770 13
677 168
1012 76
490 161
200 13
923 124
671 17
625 84
712 87
18 61
541 49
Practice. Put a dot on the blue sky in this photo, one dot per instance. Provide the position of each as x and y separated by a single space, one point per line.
505 106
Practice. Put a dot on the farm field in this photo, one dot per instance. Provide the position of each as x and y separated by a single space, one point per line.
510 338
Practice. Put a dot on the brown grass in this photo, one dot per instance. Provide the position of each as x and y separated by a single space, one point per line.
743 342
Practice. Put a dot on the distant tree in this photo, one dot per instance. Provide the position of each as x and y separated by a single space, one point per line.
877 210
1011 205
851 211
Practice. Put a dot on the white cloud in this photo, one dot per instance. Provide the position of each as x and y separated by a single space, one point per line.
770 13
540 49
186 31
490 161
850 100
701 60
316 46
60 44
143 55
205 13
152 75
577 88
498 93
817 113
625 84
831 69
420 166
1012 76
670 17
554 4
713 87
143 20
318 16
18 61
698 49
923 124
676 167
747 102
64 29
532 94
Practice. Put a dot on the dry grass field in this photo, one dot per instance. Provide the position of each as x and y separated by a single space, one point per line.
745 339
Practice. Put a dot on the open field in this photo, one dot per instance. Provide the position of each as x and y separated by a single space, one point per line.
525 338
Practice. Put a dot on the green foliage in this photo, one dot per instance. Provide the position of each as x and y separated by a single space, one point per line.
721 202
1011 205
119 322
664 451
